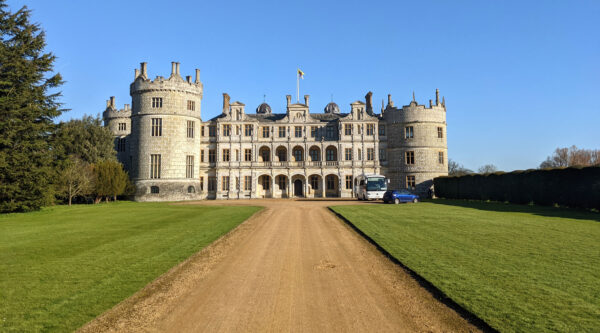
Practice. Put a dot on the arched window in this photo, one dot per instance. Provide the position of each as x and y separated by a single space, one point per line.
298 154
191 189
154 190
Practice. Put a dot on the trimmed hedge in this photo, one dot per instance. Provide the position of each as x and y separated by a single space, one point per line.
572 187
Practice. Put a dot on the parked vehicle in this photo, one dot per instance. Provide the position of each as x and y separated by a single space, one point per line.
370 186
398 196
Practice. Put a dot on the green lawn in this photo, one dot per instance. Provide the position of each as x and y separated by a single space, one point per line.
63 266
519 268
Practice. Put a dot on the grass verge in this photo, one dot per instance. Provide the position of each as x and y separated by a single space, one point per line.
519 268
63 266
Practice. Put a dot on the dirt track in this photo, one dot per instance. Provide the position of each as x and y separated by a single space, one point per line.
292 267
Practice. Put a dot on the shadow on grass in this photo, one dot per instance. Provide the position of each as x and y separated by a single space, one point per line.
547 211
432 289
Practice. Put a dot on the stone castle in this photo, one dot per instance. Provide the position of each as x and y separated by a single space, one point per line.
172 154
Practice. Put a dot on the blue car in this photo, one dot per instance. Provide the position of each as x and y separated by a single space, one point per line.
398 196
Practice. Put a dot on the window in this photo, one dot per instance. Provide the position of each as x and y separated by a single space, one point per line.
370 129
330 154
410 182
440 131
157 102
212 156
226 156
212 183
201 130
282 131
121 144
409 132
155 166
225 183
247 155
348 154
191 189
154 190
266 183
330 180
191 105
314 155
212 131
248 130
359 154
409 157
349 182
265 132
441 157
314 182
281 182
329 131
297 154
202 156
156 126
313 131
190 128
122 126
382 154
248 183
298 131
201 184
348 129
381 130
226 130
189 166
370 154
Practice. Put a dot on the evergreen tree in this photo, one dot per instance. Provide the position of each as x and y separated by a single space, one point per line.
85 138
111 180
28 104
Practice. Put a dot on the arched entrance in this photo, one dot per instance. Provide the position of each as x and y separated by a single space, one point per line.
298 188
332 186
264 187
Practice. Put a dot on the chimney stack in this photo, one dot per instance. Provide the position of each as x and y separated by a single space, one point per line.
390 103
197 75
306 97
430 103
173 68
225 102
289 99
177 68
137 73
144 68
126 107
112 102
188 78
437 97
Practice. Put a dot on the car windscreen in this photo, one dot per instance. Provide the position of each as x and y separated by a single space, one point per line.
376 184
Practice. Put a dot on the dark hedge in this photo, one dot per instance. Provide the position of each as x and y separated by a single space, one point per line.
572 187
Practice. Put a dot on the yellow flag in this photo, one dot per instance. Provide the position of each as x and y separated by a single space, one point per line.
300 73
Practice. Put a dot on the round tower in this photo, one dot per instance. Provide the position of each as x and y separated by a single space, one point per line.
419 151
165 135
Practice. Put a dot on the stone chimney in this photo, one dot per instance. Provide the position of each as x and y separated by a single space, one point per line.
137 73
390 103
437 97
197 75
177 69
306 98
188 78
225 102
289 99
144 68
430 103
369 100
173 68
112 102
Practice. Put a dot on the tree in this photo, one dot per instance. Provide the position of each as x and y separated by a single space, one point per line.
573 156
27 109
488 168
111 180
456 169
86 138
76 179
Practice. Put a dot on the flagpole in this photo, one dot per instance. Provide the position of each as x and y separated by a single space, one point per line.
297 87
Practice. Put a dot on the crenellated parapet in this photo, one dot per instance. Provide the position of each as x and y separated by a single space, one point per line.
415 112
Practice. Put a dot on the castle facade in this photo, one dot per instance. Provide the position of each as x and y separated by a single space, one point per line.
172 154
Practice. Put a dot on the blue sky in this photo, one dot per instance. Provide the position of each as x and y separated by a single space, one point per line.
520 77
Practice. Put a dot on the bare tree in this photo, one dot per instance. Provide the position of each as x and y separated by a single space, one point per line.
573 156
456 169
76 179
488 168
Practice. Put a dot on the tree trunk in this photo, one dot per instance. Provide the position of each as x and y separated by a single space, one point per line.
115 197
97 200
70 194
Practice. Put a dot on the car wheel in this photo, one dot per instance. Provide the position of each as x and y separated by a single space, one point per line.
385 201
415 200
396 201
